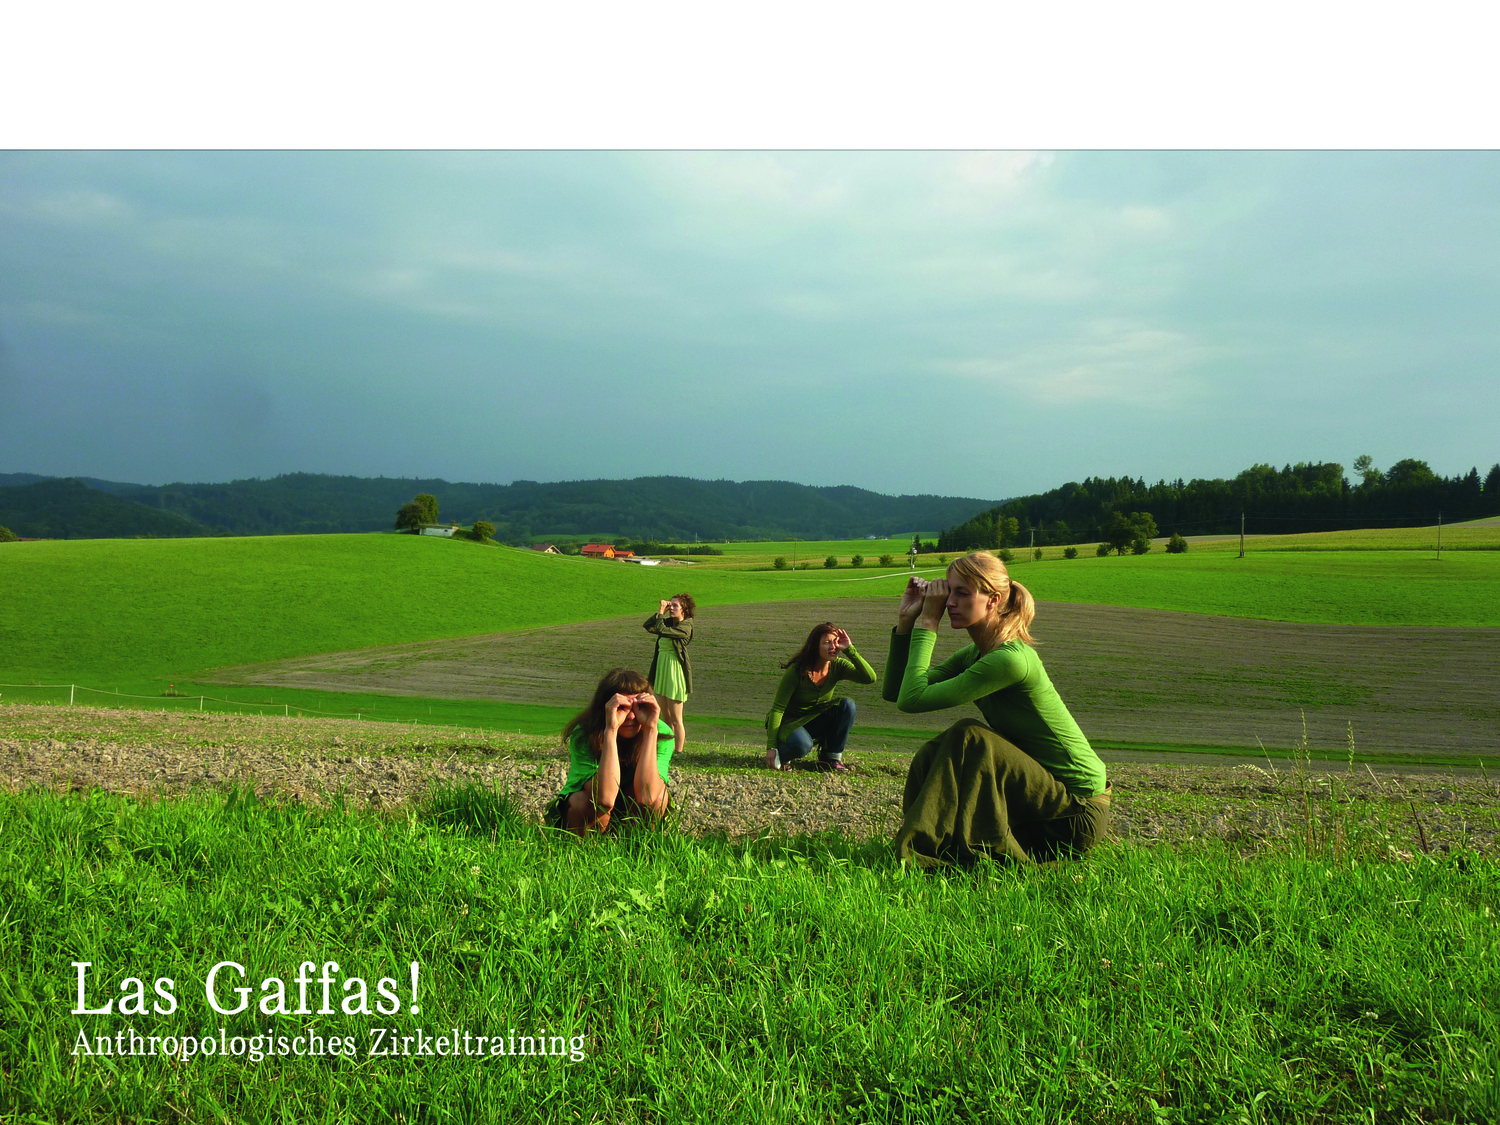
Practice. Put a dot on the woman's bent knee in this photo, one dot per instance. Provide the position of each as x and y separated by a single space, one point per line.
581 814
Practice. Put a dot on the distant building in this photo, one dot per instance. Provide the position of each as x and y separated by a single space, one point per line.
546 549
438 530
622 553
597 551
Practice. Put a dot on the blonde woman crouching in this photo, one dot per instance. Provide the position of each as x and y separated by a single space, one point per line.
1023 783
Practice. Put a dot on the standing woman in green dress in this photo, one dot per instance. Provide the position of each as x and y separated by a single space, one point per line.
1023 783
671 674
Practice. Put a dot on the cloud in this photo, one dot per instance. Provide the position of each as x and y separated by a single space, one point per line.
998 169
1112 362
1126 285
82 207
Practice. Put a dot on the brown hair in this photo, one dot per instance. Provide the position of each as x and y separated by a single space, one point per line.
689 607
1017 608
617 681
807 656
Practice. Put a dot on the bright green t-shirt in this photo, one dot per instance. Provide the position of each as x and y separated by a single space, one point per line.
1012 691
582 765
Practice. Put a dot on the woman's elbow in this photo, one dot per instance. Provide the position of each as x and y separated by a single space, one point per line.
907 706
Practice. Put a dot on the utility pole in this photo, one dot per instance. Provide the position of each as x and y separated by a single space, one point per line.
1032 549
1440 537
1242 534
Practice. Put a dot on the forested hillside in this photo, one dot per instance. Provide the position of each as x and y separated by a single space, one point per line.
68 509
663 508
1301 497
1296 498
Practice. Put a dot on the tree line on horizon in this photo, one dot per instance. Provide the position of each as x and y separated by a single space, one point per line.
667 510
672 510
1296 498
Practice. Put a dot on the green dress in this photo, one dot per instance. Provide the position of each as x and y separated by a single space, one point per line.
671 676
669 682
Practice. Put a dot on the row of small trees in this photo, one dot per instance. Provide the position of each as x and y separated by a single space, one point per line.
780 563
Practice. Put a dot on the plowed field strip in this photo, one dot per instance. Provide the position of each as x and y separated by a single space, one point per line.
1129 675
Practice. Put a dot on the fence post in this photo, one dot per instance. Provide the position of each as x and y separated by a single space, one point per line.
200 703
71 688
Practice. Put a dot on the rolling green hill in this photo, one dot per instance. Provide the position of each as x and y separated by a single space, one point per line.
173 607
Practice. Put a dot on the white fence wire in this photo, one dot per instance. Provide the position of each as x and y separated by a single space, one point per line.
187 697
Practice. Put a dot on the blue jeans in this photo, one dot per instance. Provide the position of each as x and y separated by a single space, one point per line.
830 730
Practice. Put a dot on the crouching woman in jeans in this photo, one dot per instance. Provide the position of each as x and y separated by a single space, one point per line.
1024 783
805 710
618 754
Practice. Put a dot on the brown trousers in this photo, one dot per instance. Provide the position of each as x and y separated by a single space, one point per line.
969 793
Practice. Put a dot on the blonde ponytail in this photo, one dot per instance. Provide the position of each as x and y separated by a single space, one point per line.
1018 614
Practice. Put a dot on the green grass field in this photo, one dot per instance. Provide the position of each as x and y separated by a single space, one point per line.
1474 535
94 609
798 979
673 979
173 607
1477 535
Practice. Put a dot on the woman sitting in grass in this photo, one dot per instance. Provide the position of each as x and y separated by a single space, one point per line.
671 674
1024 783
805 711
618 754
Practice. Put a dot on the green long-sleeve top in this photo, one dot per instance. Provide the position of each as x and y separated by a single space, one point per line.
799 701
1013 693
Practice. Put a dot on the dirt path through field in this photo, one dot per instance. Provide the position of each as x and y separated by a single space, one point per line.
1136 675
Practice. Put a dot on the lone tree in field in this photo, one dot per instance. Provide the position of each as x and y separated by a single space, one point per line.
1176 545
422 509
483 530
1134 531
7 535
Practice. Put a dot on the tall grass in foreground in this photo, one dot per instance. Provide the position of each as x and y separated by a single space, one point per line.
804 981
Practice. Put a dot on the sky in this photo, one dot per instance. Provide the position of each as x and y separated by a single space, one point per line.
969 323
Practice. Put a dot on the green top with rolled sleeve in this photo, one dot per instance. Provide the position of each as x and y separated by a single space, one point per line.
799 701
1012 691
